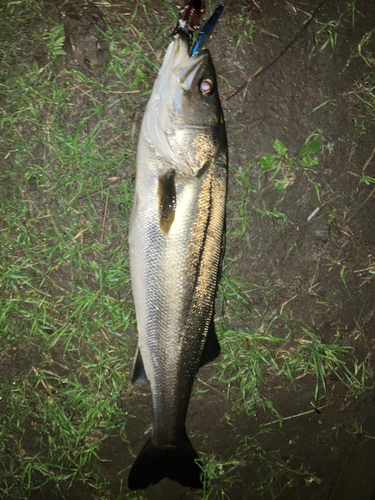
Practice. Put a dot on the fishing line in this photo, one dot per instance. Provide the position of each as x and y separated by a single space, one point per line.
290 44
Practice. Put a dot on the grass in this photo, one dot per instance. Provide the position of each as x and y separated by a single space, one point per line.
272 476
327 33
243 28
64 272
251 358
361 101
67 323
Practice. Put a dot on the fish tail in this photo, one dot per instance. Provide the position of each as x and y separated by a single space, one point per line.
153 464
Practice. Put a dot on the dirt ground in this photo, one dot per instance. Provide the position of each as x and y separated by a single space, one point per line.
314 274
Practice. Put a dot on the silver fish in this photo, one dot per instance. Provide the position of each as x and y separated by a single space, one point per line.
175 242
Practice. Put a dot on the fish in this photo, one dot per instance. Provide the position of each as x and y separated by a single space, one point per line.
175 246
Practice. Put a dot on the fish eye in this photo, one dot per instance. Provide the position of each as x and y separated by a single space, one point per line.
206 86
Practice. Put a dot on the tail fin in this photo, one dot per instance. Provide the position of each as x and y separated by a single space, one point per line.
153 464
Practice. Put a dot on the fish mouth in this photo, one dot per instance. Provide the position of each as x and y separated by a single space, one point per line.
179 67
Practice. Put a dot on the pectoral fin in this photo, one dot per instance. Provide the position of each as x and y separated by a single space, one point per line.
167 200
138 371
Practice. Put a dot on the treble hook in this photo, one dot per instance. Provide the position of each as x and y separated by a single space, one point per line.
189 23
190 16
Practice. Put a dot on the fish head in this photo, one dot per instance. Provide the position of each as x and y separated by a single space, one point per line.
184 119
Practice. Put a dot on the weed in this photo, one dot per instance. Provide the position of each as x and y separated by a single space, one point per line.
368 59
216 471
247 358
360 126
330 101
362 103
327 33
284 164
54 41
276 171
313 354
361 98
366 179
250 358
317 186
330 31
21 11
273 473
244 30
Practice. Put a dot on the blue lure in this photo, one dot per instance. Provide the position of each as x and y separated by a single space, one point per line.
207 29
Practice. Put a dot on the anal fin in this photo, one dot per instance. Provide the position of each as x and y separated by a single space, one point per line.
138 371
212 347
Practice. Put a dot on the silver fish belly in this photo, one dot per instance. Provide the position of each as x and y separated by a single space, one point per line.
175 242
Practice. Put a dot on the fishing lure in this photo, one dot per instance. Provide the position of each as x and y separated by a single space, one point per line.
189 23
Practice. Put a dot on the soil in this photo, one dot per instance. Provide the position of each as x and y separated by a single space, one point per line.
297 260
